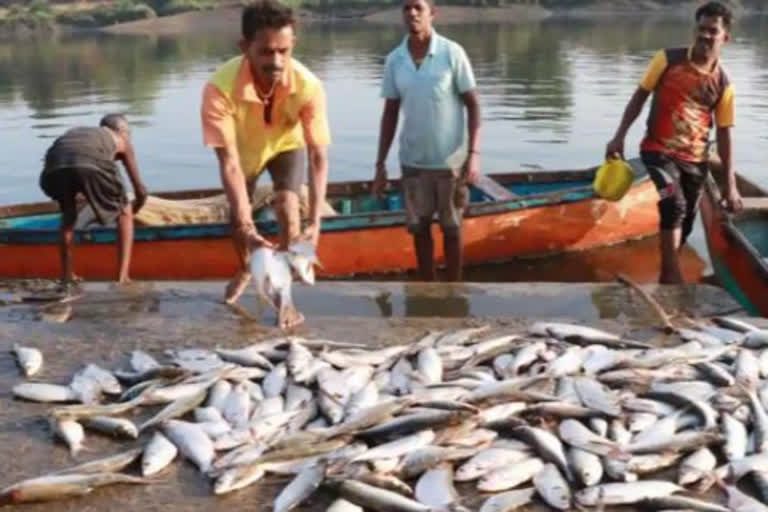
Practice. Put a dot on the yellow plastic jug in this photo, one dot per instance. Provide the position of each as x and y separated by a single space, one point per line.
613 179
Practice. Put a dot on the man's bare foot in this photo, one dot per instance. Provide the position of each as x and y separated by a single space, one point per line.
236 287
123 281
289 317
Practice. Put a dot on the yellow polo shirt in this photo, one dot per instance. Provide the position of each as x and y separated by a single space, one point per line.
233 114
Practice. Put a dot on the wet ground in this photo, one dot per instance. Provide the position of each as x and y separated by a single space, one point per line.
105 324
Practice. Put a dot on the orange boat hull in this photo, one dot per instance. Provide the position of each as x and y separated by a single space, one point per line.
488 237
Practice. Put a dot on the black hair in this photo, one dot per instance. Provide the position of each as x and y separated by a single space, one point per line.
114 122
715 10
265 14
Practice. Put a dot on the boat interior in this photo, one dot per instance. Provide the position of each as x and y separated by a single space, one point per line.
344 198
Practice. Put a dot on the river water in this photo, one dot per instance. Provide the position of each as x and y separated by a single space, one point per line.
552 93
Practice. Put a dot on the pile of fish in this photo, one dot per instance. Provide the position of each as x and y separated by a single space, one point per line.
557 414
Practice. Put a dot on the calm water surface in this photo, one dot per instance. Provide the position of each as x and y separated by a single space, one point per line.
552 93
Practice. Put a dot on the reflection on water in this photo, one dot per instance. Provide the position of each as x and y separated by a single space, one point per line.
639 260
551 94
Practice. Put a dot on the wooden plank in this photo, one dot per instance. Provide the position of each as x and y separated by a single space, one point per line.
755 203
493 189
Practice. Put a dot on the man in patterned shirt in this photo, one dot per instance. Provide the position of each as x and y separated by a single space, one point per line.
690 89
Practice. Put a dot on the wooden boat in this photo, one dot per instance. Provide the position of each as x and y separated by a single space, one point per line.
738 243
513 215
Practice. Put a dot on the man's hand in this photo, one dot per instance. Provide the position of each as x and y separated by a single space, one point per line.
141 198
311 233
615 148
733 200
471 169
251 238
379 179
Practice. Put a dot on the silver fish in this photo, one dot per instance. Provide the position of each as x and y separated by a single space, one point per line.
111 464
297 397
488 460
218 395
237 407
586 466
157 455
87 389
57 487
716 373
435 487
71 432
41 392
678 442
577 333
549 447
756 339
141 362
361 400
299 360
639 421
569 362
735 438
680 503
119 427
300 488
740 502
379 499
508 477
192 442
625 493
503 365
763 363
29 359
399 380
276 381
430 366
577 435
553 488
760 478
398 447
759 421
595 396
696 466
462 336
342 505
272 277
237 478
418 461
747 369
508 501
175 410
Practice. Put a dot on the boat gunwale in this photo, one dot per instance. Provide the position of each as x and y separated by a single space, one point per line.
727 223
370 220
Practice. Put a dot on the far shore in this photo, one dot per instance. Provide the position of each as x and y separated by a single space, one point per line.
227 18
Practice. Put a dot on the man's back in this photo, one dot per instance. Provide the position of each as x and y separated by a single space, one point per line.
90 147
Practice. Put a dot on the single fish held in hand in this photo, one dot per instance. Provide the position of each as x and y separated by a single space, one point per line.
273 273
30 359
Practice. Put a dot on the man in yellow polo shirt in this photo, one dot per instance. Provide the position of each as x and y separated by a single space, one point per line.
260 110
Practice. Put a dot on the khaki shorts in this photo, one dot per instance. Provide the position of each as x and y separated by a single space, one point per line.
433 191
